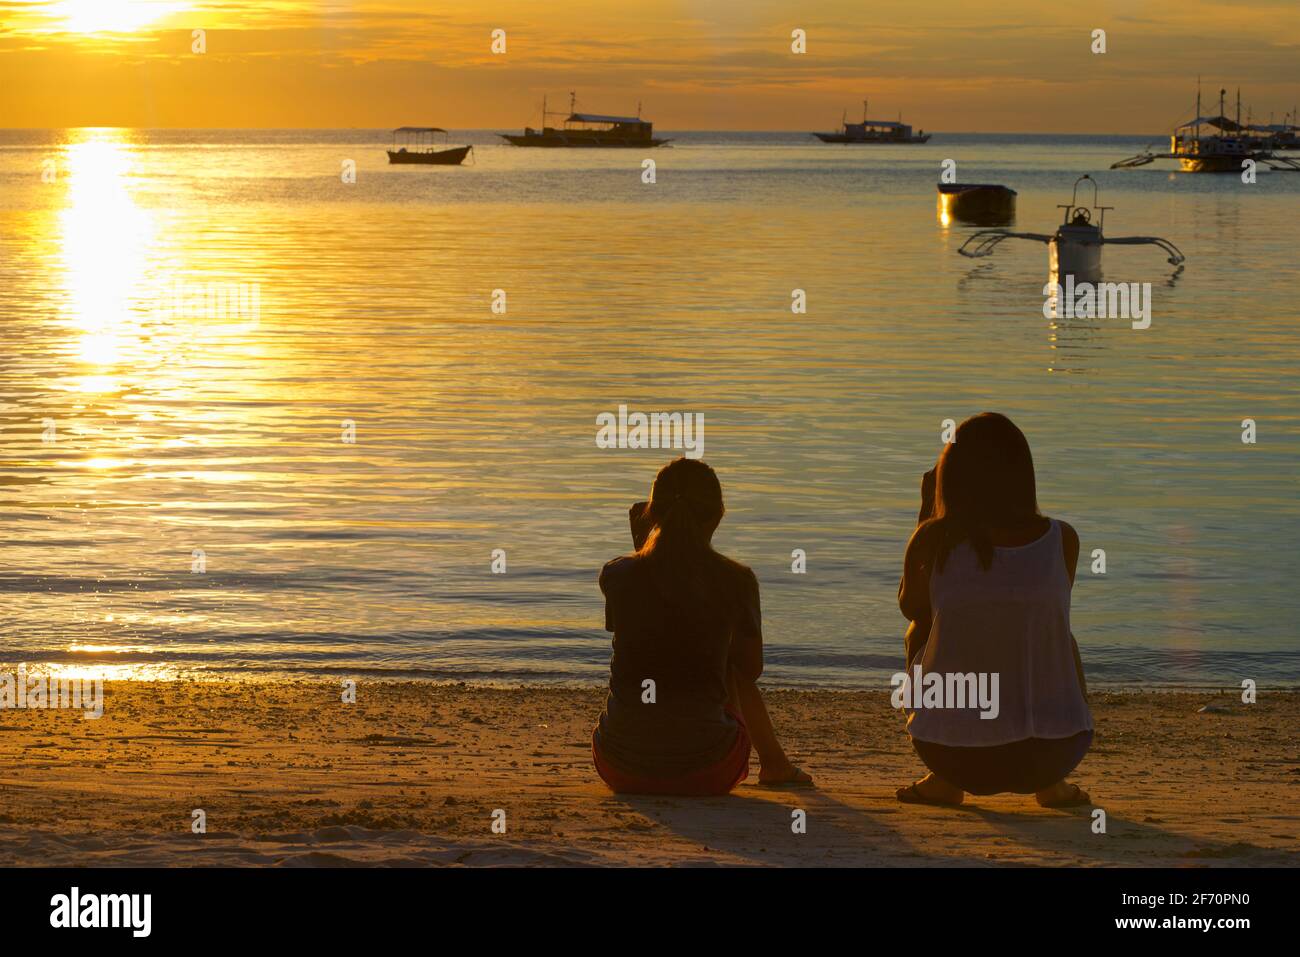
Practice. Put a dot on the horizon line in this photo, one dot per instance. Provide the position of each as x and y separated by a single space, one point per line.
493 129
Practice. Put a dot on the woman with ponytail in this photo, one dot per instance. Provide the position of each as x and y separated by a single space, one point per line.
986 589
683 707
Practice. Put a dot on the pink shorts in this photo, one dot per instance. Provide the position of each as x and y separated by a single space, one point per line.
714 780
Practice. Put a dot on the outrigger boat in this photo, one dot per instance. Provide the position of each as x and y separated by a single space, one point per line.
418 147
1214 144
873 131
1277 136
590 130
1075 247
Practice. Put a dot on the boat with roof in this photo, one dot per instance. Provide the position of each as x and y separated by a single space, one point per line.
1214 144
588 130
418 146
873 131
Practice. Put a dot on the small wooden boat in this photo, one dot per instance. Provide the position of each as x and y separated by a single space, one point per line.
418 147
980 204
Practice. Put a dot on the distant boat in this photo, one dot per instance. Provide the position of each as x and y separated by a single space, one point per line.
588 130
982 204
1276 136
874 131
418 147
1214 144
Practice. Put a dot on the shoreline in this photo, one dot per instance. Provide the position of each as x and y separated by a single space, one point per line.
288 775
242 676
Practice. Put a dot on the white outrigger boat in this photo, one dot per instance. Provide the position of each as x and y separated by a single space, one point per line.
1075 248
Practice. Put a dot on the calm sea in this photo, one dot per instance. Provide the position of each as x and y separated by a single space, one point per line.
179 499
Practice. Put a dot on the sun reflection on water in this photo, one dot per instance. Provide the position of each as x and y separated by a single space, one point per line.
104 242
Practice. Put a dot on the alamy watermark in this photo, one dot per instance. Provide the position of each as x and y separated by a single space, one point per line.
21 690
938 690
1101 300
228 302
654 430
75 909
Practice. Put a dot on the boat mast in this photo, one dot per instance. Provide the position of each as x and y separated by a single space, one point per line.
1198 113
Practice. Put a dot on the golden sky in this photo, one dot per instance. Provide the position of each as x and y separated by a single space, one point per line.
957 65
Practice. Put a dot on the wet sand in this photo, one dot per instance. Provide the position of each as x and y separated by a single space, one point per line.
289 775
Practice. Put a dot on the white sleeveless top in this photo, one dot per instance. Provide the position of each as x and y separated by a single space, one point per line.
1012 620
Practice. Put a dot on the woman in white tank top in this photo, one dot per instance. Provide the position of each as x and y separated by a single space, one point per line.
995 696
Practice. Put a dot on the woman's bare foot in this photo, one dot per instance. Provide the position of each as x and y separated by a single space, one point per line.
1063 794
784 775
931 790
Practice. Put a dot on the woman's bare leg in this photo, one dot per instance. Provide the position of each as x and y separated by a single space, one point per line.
934 788
775 767
931 787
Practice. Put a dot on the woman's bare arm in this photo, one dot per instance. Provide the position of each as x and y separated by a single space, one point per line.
745 659
914 589
918 631
1070 548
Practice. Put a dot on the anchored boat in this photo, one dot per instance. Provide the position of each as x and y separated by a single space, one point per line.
1276 136
874 131
981 204
1075 247
417 147
1214 144
590 130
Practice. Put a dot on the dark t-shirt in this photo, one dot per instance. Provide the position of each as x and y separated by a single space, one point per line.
684 650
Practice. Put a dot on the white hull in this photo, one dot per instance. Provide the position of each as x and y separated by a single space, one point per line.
1076 251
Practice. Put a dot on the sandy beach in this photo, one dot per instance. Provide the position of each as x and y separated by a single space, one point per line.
412 774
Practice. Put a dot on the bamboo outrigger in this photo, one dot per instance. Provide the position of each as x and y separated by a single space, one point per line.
1075 247
1214 144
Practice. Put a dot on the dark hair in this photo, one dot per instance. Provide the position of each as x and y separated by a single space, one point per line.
685 507
984 480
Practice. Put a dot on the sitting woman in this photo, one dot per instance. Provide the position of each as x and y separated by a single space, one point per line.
986 587
683 706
